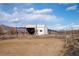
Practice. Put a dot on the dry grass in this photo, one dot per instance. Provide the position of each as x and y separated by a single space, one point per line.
32 47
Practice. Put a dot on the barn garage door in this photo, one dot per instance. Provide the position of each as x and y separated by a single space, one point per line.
31 31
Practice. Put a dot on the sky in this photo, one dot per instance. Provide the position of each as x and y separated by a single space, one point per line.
54 15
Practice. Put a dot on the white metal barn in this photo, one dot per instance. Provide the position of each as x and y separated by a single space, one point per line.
37 29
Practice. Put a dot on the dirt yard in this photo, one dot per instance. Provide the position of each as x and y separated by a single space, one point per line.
32 47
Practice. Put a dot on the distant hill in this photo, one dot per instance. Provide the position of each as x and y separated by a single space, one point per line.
4 26
23 29
6 29
49 30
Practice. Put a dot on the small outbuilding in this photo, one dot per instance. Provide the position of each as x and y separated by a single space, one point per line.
37 29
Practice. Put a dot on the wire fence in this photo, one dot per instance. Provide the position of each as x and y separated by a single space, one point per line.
62 34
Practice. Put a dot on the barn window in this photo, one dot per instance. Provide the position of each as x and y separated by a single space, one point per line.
40 30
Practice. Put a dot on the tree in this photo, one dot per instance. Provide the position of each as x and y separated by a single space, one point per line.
1 30
13 31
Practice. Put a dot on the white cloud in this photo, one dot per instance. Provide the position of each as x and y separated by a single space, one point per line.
35 11
71 26
40 16
74 7
28 14
43 11
59 27
15 9
16 20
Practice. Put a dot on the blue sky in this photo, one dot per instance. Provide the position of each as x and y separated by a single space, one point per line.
54 15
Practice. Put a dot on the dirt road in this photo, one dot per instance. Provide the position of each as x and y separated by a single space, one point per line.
33 47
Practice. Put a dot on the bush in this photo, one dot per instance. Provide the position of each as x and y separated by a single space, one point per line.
1 31
13 31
